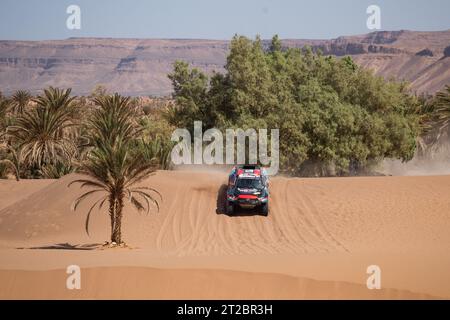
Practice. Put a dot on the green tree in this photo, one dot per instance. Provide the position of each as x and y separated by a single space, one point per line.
190 87
334 117
275 45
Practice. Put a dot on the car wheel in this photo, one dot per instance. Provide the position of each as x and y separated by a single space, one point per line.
230 209
265 209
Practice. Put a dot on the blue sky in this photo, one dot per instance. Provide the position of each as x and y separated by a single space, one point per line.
213 19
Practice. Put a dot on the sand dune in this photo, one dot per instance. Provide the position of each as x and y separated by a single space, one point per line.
13 192
324 229
149 283
307 216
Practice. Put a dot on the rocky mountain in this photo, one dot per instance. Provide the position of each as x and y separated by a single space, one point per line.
140 66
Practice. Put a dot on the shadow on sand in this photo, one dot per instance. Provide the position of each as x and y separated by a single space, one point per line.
68 246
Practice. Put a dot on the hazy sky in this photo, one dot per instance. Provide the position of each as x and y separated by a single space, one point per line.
213 19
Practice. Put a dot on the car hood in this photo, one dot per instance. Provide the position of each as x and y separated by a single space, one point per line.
249 190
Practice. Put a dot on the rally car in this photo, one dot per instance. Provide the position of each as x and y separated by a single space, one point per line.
248 188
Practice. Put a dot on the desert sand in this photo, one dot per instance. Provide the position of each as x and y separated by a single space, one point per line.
317 242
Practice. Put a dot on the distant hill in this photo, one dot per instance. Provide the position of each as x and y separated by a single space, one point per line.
140 66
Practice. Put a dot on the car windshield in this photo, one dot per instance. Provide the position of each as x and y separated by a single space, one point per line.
249 183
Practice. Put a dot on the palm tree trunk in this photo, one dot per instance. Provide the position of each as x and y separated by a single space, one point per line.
112 213
115 210
17 169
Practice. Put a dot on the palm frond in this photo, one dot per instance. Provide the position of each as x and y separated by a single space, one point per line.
88 183
20 100
42 131
151 189
82 197
148 197
88 216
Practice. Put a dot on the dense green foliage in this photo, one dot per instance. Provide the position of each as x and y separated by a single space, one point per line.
334 117
434 115
50 135
442 103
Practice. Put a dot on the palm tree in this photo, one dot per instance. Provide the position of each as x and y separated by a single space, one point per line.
55 99
157 150
15 163
443 108
113 168
41 133
20 100
4 108
56 170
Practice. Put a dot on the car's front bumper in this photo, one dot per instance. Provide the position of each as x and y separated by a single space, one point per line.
249 203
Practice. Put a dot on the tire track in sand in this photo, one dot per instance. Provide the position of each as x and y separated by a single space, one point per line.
313 214
193 227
